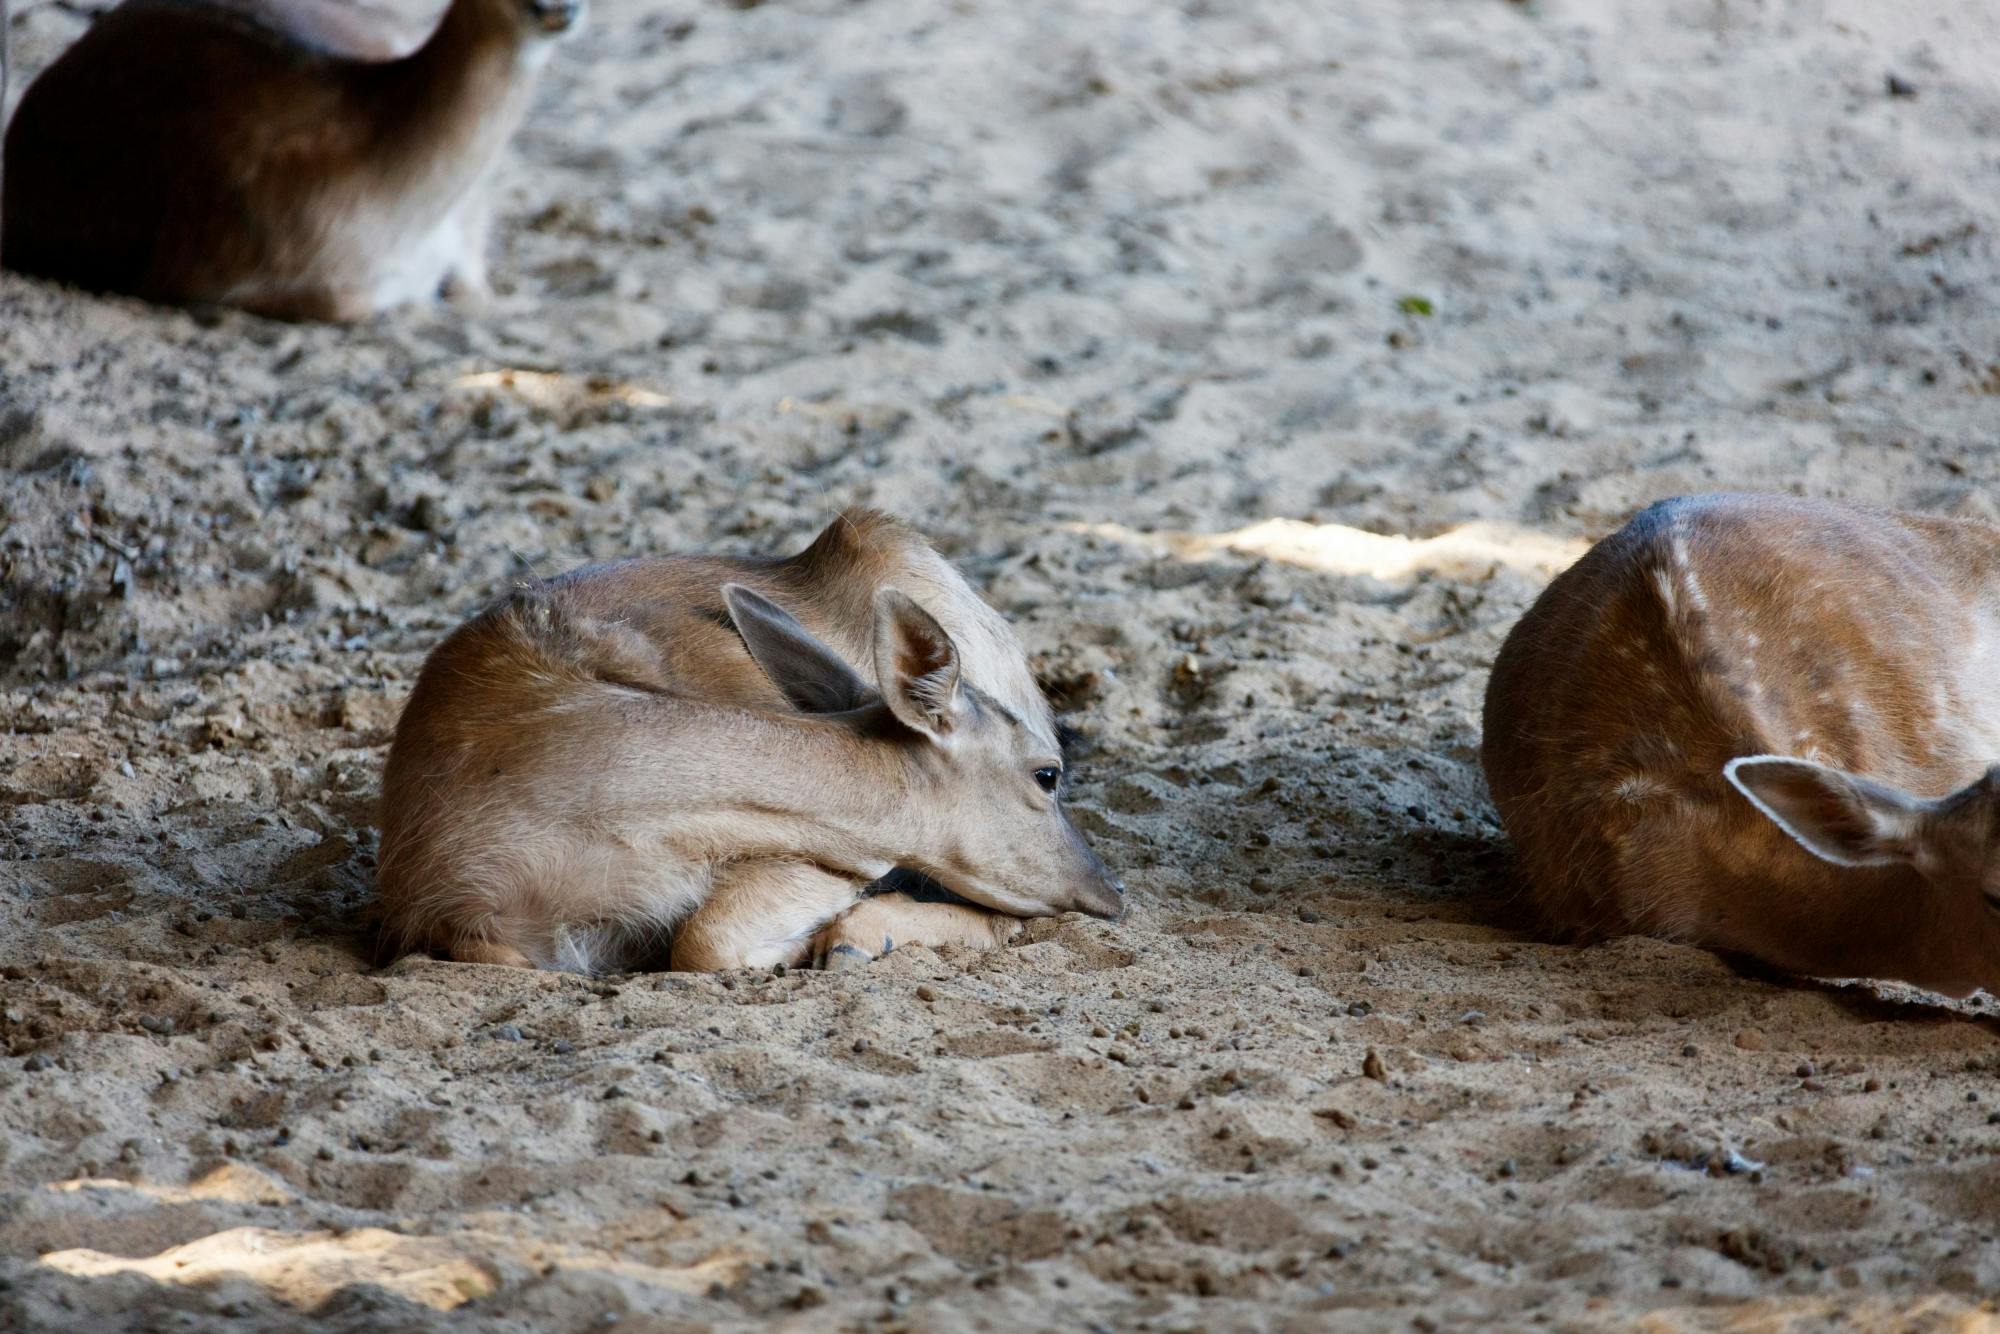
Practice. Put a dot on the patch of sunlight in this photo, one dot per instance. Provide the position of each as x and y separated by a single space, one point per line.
303 1269
1946 1313
1469 550
231 1183
554 391
1035 403
724 1269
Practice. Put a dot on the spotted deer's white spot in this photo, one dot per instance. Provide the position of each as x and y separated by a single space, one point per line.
1670 598
1637 788
1685 568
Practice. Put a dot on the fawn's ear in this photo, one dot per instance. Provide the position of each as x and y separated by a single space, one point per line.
917 664
1837 816
811 675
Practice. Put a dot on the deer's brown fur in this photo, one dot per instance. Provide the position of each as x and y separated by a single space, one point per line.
1763 725
184 152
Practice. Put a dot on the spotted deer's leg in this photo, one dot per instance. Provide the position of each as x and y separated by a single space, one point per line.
760 914
465 284
876 925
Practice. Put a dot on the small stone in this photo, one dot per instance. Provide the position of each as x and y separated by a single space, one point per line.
1371 1066
37 1063
926 993
562 1046
156 1024
1752 1039
1899 86
507 1033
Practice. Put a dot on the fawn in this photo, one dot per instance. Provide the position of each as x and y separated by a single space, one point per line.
268 156
1764 725
679 746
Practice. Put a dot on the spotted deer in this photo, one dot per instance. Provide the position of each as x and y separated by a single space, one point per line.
275 155
1765 725
720 754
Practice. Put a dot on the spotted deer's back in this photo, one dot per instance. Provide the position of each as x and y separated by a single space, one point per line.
1715 627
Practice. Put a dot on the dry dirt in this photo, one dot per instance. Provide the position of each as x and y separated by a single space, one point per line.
1090 292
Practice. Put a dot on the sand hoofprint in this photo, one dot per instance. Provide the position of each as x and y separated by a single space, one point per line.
1125 305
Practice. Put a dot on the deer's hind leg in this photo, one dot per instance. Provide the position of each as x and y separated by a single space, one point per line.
760 914
874 926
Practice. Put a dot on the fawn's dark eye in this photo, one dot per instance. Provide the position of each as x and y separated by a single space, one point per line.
1049 777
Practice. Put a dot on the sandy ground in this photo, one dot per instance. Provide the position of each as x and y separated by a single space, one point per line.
1090 292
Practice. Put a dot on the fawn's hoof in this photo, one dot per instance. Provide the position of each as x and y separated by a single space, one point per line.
843 957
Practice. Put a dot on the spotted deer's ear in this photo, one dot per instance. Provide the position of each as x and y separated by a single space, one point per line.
811 675
1837 816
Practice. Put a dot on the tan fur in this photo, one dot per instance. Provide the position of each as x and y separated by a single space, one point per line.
1718 627
267 155
597 765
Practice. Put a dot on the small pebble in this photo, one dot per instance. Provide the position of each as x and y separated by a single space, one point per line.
1371 1066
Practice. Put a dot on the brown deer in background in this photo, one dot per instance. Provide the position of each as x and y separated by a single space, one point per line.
270 154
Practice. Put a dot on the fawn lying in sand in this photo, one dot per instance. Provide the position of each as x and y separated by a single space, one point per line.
1764 725
188 152
680 745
